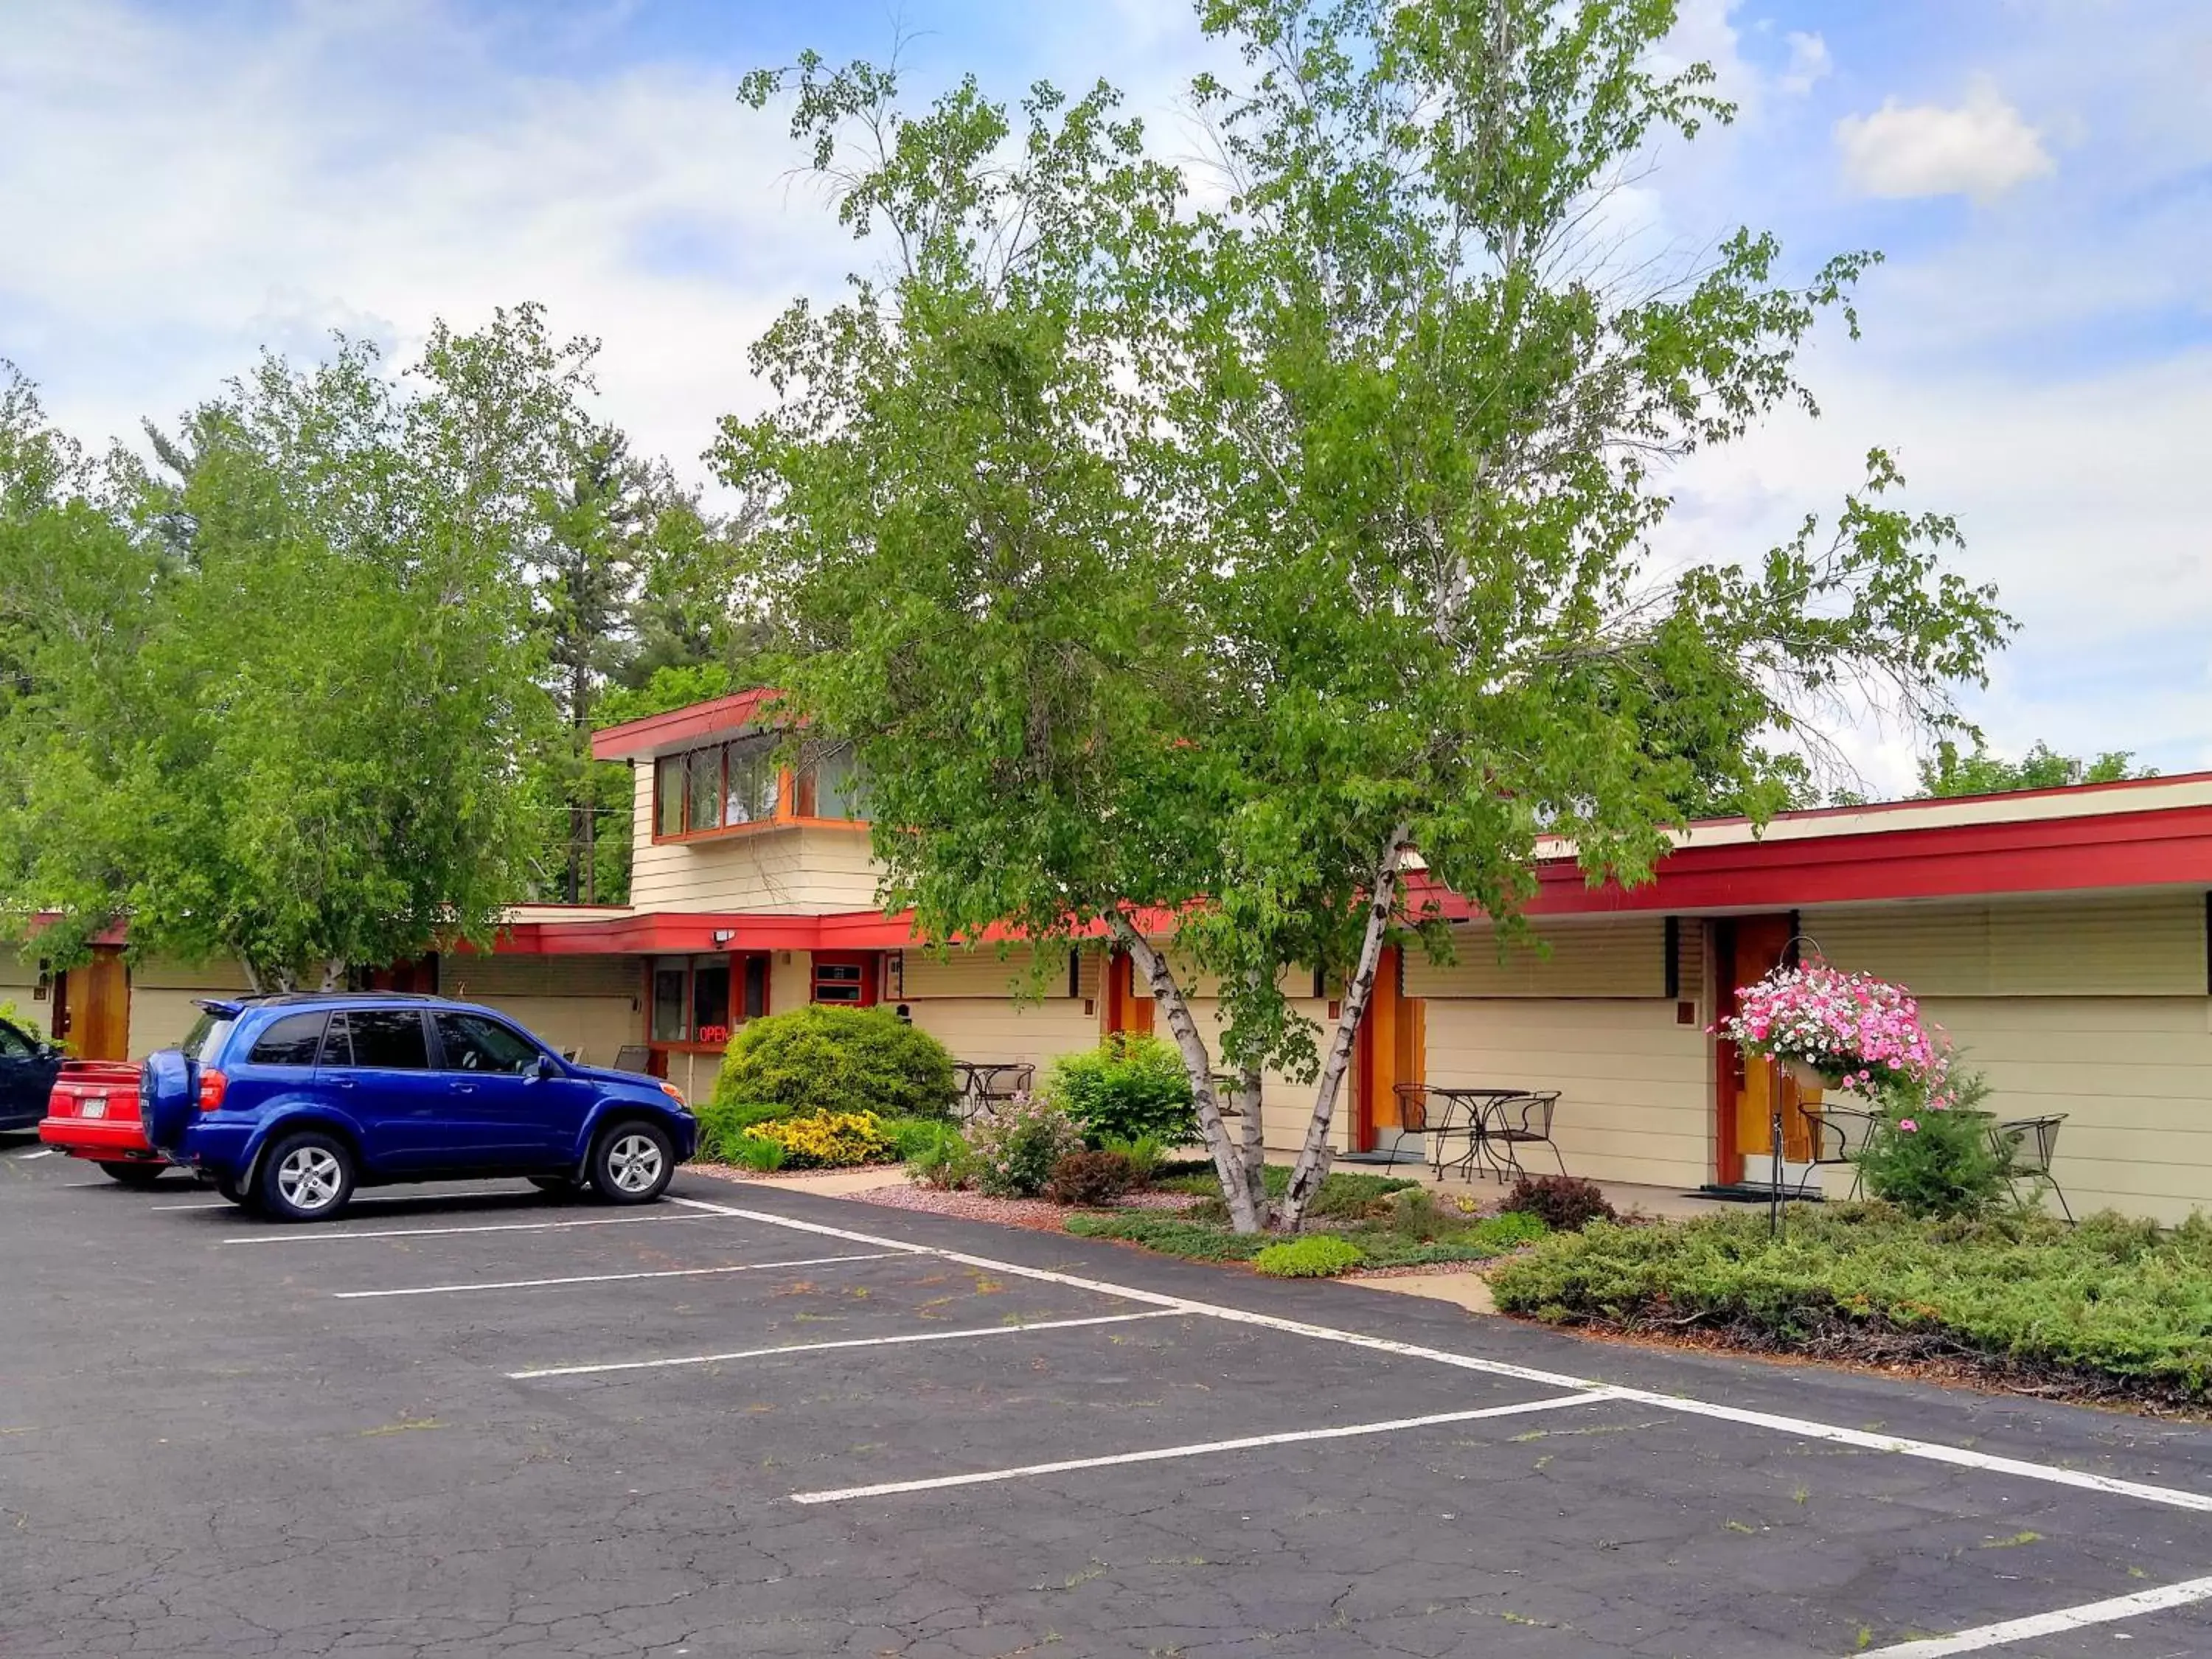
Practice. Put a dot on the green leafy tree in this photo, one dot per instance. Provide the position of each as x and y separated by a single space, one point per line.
1190 570
285 727
1981 773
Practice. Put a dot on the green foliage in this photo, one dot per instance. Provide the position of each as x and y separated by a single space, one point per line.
1128 1085
826 1058
826 1141
722 1122
1981 773
1143 1155
21 1021
751 1151
1168 1235
945 1160
1935 1163
1089 1178
1343 1194
1565 1204
1317 1255
1158 554
2113 1298
911 1135
1016 1151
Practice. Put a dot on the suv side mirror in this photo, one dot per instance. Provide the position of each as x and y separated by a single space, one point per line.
547 1069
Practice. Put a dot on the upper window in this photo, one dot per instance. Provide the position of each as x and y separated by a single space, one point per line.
473 1043
838 792
377 1039
293 1040
716 787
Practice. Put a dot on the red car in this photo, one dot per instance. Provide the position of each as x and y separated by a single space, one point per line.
93 1112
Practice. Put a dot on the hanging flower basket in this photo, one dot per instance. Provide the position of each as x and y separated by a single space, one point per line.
1829 1029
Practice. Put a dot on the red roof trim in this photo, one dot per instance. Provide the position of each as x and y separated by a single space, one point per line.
1807 813
698 719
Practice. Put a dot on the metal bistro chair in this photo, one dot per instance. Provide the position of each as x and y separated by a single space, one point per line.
1462 1114
986 1085
1839 1135
1521 1118
2027 1146
634 1057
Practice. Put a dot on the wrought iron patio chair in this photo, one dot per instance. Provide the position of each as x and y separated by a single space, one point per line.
2026 1145
634 1057
1519 1119
1839 1135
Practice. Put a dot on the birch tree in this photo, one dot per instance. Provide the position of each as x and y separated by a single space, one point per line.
1184 564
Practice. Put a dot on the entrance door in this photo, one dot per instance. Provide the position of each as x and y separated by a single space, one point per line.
1392 1049
1750 948
1128 1005
93 1003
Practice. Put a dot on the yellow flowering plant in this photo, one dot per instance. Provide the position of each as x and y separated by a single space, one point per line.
828 1140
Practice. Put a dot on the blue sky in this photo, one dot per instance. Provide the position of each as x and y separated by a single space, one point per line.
184 182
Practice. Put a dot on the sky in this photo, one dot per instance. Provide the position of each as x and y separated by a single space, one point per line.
185 182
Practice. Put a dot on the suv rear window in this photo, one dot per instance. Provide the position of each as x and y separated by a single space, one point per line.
206 1038
385 1039
293 1040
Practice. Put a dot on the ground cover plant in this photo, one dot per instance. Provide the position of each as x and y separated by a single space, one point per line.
2112 1307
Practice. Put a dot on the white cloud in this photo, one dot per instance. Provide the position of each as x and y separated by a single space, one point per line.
1809 63
1982 149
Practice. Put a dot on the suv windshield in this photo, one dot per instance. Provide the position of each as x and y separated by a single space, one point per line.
206 1036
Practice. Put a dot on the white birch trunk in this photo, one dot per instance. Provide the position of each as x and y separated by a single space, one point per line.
1314 1157
1196 1062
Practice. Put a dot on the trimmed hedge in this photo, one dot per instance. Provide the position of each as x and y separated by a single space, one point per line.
2114 1306
823 1059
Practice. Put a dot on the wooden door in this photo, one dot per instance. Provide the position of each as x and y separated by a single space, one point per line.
1392 1049
93 1002
1128 1006
1750 948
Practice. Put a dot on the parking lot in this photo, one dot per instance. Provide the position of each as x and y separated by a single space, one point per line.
749 1421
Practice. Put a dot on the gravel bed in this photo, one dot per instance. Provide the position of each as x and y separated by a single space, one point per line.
1036 1212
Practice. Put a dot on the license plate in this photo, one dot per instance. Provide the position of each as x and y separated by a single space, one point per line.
95 1107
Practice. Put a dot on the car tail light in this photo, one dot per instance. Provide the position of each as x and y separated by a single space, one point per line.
123 1102
61 1103
212 1083
673 1092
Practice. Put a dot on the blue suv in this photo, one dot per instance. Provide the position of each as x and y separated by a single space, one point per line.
291 1101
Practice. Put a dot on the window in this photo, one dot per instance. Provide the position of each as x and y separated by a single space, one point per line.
668 795
710 1002
668 1009
838 792
839 981
719 786
14 1045
206 1037
755 988
293 1040
377 1039
473 1043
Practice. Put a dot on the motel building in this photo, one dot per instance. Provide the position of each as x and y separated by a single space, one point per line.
2059 935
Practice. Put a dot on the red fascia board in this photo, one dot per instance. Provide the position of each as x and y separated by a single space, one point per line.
678 725
2035 855
660 933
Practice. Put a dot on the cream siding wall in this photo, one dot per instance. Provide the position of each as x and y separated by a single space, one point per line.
798 870
2100 945
1285 1105
162 999
19 978
1636 1098
593 1004
790 980
965 1000
1609 957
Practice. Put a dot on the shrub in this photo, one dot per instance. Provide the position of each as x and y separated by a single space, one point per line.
911 1135
1089 1178
2112 1305
1016 1150
1129 1085
1342 1197
828 1140
1317 1255
723 1123
1565 1204
946 1161
755 1152
1930 1161
1169 1235
822 1059
1143 1153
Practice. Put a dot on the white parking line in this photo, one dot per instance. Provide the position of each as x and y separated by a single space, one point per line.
854 1342
211 1204
320 1235
1200 1449
1932 1451
609 1278
2050 1624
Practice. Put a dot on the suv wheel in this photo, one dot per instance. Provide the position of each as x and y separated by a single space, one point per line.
632 1163
306 1177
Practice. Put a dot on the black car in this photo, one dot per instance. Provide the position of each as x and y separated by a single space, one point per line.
28 1070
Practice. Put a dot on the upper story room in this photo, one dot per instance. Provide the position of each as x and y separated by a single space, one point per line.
722 821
